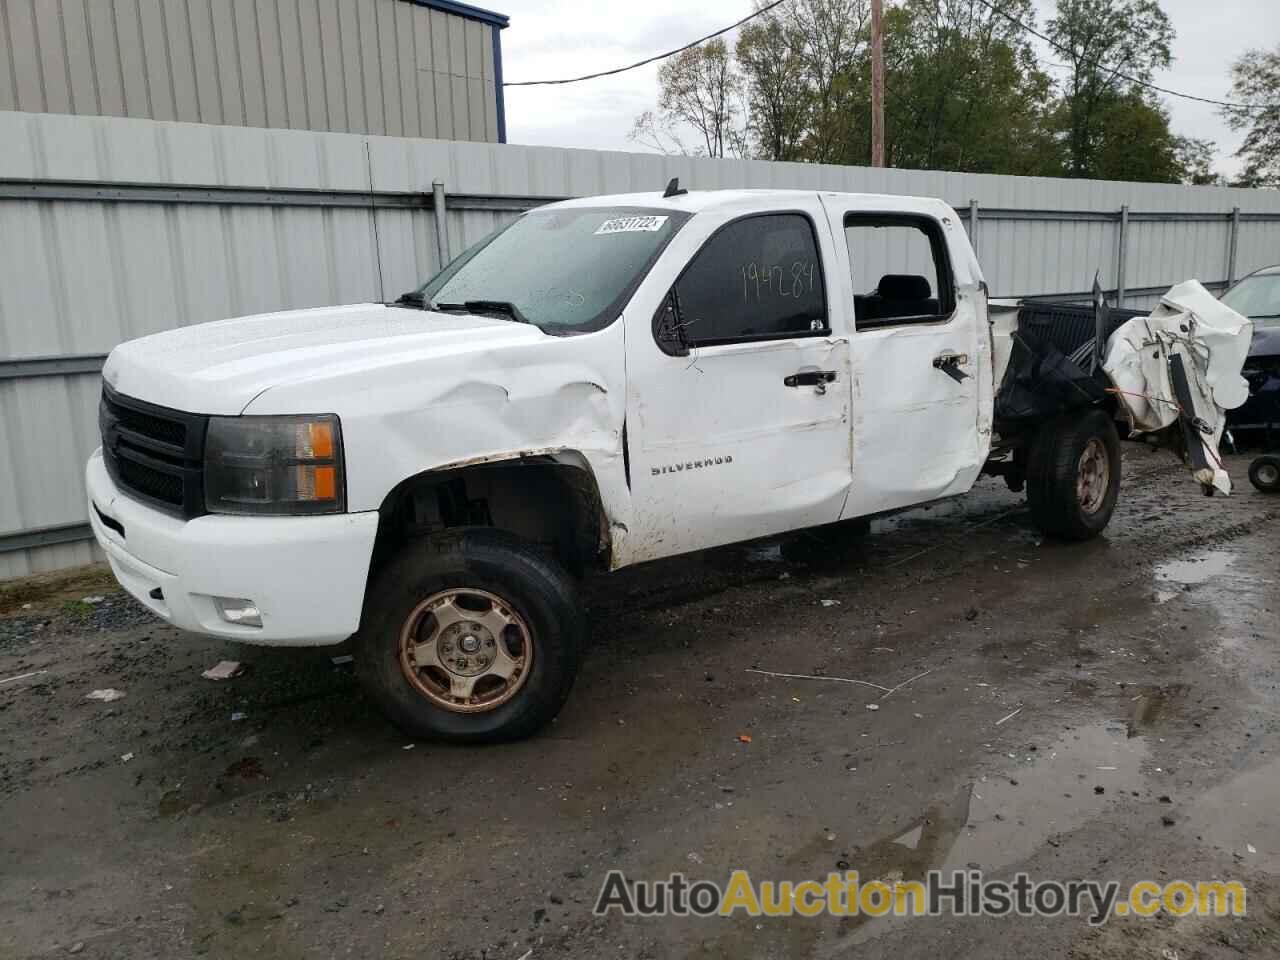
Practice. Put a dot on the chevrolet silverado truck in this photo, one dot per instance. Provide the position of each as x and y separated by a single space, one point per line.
600 383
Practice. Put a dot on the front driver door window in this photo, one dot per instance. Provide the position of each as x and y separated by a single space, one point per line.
758 278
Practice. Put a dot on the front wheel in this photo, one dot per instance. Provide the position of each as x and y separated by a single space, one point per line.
1073 475
470 636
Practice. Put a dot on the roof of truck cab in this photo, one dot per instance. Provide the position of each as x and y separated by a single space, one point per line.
734 201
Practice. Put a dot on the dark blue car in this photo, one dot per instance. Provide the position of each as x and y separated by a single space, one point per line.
1257 297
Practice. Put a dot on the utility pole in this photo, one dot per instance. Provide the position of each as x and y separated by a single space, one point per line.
877 84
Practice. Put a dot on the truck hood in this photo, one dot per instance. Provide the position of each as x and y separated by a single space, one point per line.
220 367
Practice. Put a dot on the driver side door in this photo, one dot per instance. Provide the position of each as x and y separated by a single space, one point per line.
738 391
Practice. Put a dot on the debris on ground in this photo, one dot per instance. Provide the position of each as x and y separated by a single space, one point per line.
237 716
830 603
23 676
873 706
106 695
126 757
224 670
809 676
924 673
339 661
1009 717
744 738
96 598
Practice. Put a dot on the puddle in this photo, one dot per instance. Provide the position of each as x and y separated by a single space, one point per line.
1150 706
1007 818
1196 569
1054 793
1238 815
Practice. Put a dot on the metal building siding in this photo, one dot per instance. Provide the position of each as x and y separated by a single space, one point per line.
361 66
78 277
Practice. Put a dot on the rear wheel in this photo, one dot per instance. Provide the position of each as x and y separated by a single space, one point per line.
1073 475
470 636
1264 473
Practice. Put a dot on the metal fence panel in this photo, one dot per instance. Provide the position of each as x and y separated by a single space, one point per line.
113 228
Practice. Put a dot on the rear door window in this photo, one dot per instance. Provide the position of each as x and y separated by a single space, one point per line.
899 269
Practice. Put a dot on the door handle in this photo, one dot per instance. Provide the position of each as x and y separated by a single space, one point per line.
950 364
811 378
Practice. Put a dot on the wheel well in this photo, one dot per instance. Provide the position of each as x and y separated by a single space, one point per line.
543 500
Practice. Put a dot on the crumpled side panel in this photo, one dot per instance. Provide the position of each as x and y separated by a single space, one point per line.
484 404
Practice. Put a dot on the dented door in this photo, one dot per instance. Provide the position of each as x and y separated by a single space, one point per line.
920 368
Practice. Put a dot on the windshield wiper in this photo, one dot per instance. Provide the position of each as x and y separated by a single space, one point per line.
488 306
1264 316
414 298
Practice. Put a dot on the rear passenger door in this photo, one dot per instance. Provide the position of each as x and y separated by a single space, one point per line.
916 357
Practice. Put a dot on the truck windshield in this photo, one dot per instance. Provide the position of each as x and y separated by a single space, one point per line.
569 270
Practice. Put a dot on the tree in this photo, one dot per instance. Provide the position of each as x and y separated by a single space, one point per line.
834 33
1134 142
1108 44
699 88
1255 82
965 92
770 55
1195 158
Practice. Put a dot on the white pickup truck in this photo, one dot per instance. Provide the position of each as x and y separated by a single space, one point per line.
602 382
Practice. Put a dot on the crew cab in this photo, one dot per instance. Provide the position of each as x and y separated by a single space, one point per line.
601 382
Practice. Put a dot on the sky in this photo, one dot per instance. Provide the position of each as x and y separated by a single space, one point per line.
548 39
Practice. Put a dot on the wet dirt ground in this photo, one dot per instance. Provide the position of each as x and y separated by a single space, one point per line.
1106 710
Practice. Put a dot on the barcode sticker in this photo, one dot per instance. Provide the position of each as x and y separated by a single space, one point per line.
650 224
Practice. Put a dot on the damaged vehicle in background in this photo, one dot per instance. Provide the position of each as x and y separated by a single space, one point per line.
601 382
1257 297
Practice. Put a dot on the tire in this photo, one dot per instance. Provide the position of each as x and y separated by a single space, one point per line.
1065 503
455 591
1264 473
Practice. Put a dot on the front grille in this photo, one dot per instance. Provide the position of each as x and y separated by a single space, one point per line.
153 453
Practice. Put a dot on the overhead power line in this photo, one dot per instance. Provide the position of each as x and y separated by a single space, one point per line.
777 3
1123 76
640 63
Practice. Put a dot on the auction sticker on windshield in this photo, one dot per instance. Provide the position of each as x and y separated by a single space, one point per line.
650 224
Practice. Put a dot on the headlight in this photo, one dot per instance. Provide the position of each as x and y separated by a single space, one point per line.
276 465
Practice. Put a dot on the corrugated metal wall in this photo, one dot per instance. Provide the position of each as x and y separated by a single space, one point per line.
77 276
358 66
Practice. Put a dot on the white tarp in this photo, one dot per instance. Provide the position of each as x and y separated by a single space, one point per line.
1213 341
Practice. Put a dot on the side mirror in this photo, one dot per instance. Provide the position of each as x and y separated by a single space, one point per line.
668 329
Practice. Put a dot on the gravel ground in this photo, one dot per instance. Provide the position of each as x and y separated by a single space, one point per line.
1106 710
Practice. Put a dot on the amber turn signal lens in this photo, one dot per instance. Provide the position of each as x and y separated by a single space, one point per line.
321 436
326 483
